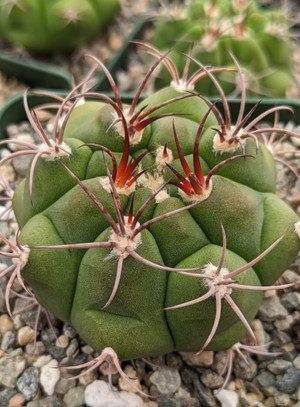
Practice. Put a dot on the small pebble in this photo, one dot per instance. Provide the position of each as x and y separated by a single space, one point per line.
166 380
211 379
49 376
28 383
65 384
279 366
42 361
130 372
296 362
291 300
203 359
18 321
18 400
228 398
265 379
290 381
271 309
27 138
35 349
100 394
25 335
51 401
74 397
6 324
8 340
62 341
11 367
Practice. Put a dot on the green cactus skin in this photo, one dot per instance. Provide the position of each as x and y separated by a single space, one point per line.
258 37
46 26
75 284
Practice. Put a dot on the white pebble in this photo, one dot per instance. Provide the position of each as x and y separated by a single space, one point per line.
49 376
228 398
100 394
27 138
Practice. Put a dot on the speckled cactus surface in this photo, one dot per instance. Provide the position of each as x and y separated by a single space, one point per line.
54 25
152 227
260 36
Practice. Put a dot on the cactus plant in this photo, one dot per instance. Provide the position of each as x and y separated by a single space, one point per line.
57 25
259 38
151 227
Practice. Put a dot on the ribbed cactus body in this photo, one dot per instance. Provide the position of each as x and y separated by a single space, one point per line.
75 284
258 37
54 25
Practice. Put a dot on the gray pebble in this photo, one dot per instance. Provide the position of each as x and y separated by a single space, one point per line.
21 164
50 401
6 395
49 341
245 370
211 379
291 300
11 367
8 340
28 383
18 322
74 397
64 384
166 380
71 349
36 349
170 402
204 395
265 379
69 331
279 366
283 337
271 309
296 362
290 381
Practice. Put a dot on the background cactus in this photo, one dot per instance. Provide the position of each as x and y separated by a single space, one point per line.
259 37
56 25
146 262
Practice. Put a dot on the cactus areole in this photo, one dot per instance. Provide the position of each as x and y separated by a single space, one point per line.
140 233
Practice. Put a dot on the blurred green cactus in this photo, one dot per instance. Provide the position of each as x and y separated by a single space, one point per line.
54 25
259 37
155 226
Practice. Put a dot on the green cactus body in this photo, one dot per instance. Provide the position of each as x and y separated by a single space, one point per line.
56 25
258 37
75 284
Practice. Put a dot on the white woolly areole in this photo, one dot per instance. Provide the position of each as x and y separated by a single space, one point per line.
208 41
297 228
104 182
195 197
136 137
161 196
212 10
161 159
23 256
182 86
225 146
211 271
154 182
276 29
124 241
52 153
